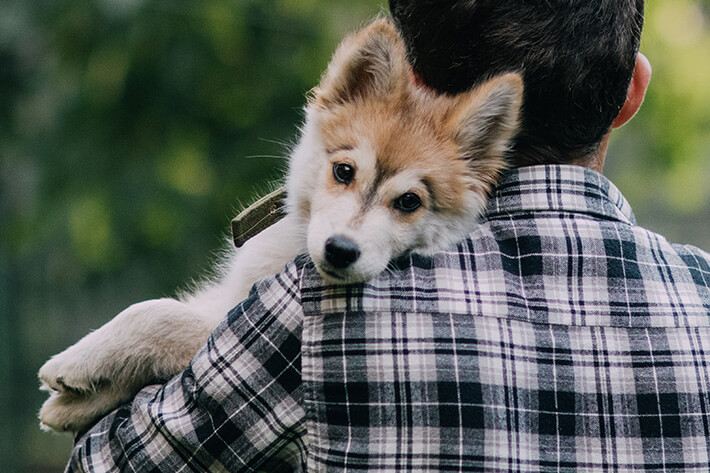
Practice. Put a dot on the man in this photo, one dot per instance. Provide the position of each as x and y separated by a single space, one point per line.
559 336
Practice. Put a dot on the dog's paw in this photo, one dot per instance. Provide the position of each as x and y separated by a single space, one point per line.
71 411
125 349
72 372
148 342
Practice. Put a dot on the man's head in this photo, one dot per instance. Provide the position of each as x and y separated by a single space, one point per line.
576 56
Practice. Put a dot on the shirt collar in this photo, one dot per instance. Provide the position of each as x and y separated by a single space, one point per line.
561 188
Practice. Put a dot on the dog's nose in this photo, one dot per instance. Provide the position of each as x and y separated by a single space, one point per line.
341 251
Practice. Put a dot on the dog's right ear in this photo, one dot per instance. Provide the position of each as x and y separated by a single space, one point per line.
486 118
370 63
484 121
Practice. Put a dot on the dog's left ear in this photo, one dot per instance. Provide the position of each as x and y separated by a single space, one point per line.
370 63
485 119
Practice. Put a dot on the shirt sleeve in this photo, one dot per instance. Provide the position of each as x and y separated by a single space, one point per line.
238 407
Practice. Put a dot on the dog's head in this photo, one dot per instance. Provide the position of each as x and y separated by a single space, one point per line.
386 166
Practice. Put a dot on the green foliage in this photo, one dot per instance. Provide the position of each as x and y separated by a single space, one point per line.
131 130
140 109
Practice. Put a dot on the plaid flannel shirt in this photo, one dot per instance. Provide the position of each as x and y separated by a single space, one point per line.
558 337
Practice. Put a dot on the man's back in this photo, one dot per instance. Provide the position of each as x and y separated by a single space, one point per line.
558 337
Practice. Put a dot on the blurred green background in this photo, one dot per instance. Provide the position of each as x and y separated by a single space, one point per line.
131 131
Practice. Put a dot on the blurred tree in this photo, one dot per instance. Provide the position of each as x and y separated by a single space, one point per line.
131 130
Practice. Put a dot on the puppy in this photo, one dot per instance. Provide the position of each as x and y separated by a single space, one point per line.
383 167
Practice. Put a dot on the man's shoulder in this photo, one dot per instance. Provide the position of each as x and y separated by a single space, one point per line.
698 255
661 250
696 260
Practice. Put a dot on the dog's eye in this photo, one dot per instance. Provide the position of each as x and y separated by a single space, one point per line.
343 173
408 202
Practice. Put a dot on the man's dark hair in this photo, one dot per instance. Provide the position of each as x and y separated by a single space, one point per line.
576 56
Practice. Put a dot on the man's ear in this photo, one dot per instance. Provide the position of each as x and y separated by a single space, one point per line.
486 119
636 93
370 63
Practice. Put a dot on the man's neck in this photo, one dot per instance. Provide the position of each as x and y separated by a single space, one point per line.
595 161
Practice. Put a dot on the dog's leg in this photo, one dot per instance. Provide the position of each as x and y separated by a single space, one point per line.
153 340
261 256
147 342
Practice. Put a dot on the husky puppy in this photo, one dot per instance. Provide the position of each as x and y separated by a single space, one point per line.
383 167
